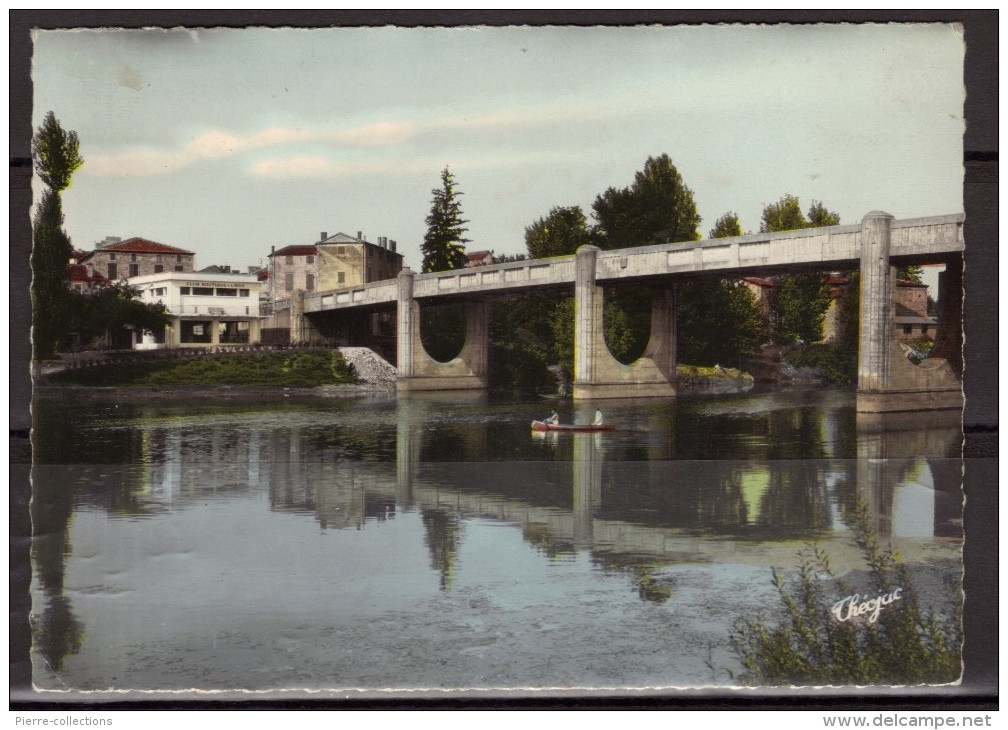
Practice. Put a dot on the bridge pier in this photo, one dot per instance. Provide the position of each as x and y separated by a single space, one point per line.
418 371
597 374
887 380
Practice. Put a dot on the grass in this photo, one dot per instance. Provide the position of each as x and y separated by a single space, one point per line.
702 372
300 369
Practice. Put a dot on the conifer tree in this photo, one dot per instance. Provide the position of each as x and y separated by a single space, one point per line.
444 243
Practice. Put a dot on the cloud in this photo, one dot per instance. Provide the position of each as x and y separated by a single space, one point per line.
218 145
382 134
297 167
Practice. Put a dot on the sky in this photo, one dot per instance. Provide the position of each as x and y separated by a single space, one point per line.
228 142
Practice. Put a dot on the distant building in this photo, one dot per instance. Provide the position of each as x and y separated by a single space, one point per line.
762 290
911 310
333 262
207 309
82 279
912 319
479 258
294 268
348 261
116 260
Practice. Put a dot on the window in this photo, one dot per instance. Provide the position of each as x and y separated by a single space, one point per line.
310 259
159 292
227 292
243 292
202 291
194 331
111 257
289 280
309 282
113 272
184 290
907 329
341 278
340 250
158 268
132 257
288 259
179 259
134 270
179 268
158 257
924 329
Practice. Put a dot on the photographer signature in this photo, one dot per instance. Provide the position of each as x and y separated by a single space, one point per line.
853 606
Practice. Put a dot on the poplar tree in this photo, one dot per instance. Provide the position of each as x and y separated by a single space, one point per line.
56 156
444 243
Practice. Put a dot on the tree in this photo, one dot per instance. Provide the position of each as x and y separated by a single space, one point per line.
800 301
657 208
719 321
444 243
558 234
727 226
784 215
56 157
56 154
112 309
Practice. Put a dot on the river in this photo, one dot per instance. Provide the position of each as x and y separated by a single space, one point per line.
429 543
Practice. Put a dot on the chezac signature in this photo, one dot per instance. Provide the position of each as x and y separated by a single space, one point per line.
857 606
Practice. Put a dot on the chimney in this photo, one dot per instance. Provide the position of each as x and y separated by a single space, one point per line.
392 246
360 236
324 236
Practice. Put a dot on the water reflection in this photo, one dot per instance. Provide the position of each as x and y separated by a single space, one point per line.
740 481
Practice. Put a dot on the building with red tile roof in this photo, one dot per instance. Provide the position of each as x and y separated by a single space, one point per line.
136 256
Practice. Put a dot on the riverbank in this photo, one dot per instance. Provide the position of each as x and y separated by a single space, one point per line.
244 393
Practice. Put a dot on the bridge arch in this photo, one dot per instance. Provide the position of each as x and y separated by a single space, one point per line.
418 371
597 374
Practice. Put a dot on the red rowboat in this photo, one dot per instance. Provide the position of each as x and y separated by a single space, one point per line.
543 426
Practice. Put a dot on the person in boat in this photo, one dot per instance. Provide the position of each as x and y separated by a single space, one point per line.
552 420
598 419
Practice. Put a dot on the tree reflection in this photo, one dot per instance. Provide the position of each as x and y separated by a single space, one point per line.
442 536
56 633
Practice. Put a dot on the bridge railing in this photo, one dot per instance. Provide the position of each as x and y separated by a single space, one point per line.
826 246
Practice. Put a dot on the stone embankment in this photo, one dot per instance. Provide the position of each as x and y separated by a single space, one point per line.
375 374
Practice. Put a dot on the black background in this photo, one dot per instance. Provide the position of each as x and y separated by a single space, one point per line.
979 687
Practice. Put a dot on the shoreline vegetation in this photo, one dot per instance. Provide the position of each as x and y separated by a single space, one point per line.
318 372
300 369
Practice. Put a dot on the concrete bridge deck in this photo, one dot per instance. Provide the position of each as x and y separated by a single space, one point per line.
886 382
922 240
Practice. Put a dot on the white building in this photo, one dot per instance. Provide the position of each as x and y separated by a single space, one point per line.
207 309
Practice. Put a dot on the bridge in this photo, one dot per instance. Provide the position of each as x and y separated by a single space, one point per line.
887 380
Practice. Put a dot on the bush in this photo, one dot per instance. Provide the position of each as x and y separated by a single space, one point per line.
297 369
836 362
812 646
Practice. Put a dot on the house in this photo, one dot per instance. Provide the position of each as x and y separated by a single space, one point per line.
762 289
116 260
912 319
479 258
348 261
333 262
910 310
207 309
295 268
82 279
